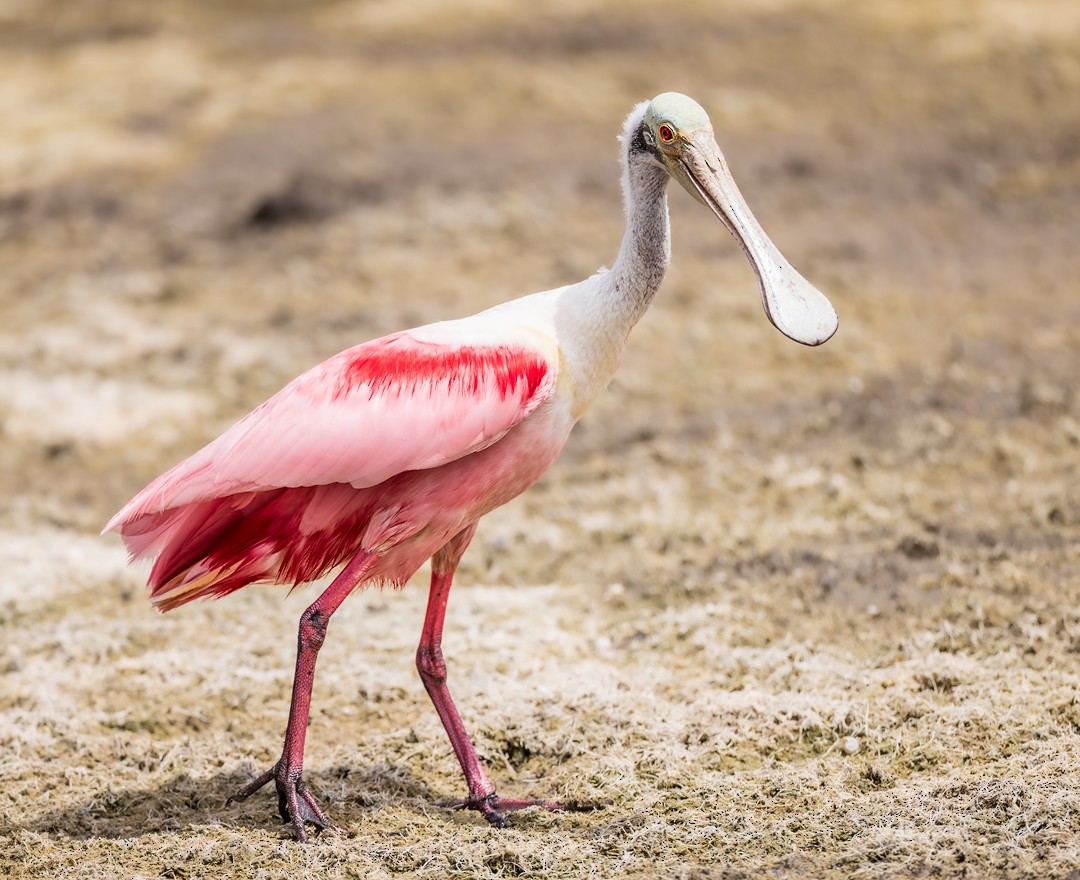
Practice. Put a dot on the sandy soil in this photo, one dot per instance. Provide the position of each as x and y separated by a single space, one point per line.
797 613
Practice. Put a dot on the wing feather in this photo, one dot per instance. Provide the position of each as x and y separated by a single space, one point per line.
391 405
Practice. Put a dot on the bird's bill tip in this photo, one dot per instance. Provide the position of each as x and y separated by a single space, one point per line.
798 309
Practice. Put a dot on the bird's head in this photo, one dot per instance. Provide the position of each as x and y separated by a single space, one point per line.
676 133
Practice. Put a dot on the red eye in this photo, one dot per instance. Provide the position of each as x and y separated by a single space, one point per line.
666 134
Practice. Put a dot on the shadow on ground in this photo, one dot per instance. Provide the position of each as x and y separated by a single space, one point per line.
182 803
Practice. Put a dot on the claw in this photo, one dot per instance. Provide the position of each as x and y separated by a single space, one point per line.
296 805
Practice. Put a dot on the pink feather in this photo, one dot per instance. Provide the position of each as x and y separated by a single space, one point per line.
351 455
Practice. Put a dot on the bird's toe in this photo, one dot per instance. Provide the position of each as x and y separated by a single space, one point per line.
296 805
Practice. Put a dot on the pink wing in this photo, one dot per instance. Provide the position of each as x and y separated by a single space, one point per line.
391 405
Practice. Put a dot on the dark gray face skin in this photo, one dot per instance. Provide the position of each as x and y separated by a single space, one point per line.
676 134
638 146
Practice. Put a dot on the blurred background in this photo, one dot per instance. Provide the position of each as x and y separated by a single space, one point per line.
199 200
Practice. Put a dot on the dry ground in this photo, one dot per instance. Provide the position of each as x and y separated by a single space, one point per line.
796 613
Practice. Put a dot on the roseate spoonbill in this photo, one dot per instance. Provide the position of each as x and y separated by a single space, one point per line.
387 454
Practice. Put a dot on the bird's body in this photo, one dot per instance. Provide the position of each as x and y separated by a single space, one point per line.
387 454
393 446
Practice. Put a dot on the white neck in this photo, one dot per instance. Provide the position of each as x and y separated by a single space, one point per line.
596 316
645 253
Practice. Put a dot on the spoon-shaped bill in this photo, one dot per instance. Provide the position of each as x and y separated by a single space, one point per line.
795 307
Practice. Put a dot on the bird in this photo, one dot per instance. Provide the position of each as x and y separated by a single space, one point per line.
388 454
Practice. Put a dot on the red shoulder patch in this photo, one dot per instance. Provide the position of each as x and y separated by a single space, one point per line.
400 364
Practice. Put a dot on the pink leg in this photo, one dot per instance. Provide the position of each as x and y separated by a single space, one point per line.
432 667
295 803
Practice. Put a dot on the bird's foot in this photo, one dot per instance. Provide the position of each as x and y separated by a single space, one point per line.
295 803
494 808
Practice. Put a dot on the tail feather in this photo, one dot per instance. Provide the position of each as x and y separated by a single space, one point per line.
200 527
208 549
